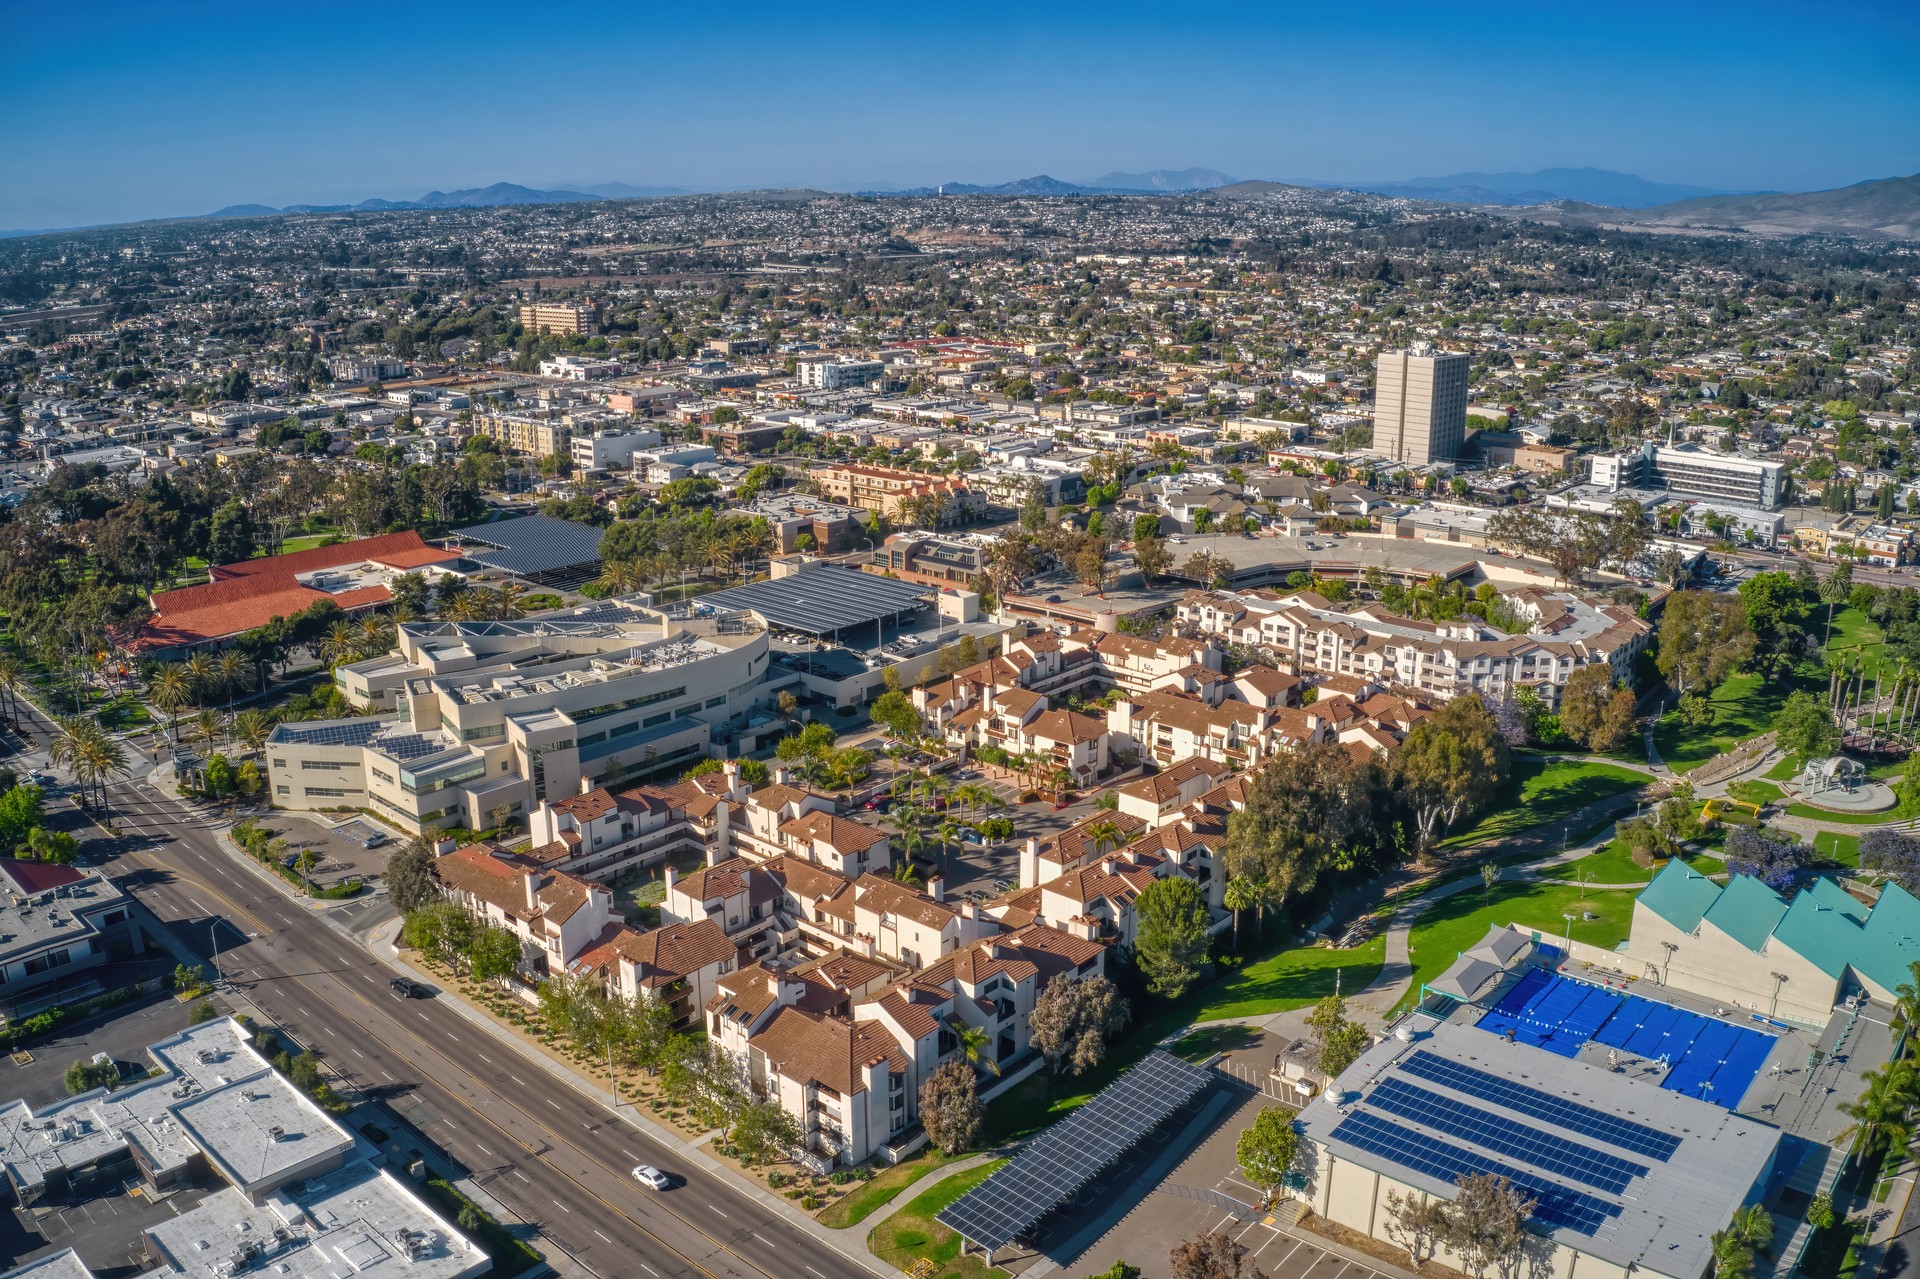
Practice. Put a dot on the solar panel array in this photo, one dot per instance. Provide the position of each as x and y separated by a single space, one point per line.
354 733
1555 1205
1501 1135
1588 1121
824 600
534 544
1068 1156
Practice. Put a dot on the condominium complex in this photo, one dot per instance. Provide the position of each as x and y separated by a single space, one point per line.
1437 659
525 433
1690 472
890 491
489 718
569 319
1420 405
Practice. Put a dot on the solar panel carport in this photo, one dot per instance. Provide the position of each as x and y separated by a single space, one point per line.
537 547
1064 1160
824 601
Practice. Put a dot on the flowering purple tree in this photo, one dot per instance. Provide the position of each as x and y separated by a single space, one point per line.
1894 853
1774 862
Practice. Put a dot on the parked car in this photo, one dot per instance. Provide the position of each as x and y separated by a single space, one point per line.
402 988
648 1175
968 835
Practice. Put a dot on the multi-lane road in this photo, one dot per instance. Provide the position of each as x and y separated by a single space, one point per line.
551 1153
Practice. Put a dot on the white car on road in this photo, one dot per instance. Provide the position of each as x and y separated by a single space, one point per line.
648 1175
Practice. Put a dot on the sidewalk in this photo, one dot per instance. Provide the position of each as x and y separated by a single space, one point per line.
381 941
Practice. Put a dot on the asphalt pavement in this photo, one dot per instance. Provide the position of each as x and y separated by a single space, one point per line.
552 1154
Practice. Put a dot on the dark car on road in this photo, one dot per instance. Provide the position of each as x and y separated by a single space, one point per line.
402 988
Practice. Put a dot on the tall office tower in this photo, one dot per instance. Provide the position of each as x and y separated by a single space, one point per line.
1420 405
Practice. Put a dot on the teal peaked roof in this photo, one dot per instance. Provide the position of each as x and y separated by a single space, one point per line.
1892 939
1747 911
1823 924
1680 895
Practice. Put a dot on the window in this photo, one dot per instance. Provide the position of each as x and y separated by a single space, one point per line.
322 765
385 777
283 790
52 959
654 721
330 792
113 917
715 703
279 763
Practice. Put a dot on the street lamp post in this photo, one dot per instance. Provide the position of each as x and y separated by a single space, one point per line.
213 941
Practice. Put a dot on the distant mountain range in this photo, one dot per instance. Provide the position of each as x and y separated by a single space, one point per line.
1885 208
1589 185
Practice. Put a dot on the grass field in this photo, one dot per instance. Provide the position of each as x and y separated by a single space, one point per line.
868 1199
1836 847
1742 706
1855 636
1542 790
1455 923
1811 813
1755 792
1614 864
912 1234
1291 979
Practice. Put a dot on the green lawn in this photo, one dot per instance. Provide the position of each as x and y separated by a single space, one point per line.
869 1198
1840 819
1855 635
1836 847
1292 979
1542 790
1755 792
1454 923
1614 864
912 1234
293 544
1786 769
1743 708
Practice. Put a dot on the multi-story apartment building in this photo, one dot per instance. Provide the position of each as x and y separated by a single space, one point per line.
493 717
1438 659
1420 405
524 433
932 561
606 450
1688 471
829 373
347 369
888 490
569 319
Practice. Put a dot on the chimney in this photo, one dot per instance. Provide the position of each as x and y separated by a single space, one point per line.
1108 866
586 784
731 771
672 876
1030 863
441 847
530 883
780 775
937 887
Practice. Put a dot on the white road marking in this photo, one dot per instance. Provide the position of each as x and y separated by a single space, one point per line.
628 1153
810 1270
516 1079
551 1102
763 1239
716 1210
562 1207
603 1237
523 1176
485 1058
455 1038
483 1150
656 1274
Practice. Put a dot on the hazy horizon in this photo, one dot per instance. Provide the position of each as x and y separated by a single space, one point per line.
125 112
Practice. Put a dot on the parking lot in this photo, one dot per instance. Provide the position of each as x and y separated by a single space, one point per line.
106 1231
122 1033
1180 1206
340 848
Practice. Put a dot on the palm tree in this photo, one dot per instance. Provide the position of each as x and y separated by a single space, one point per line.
622 577
199 667
1238 895
207 725
232 668
340 644
949 833
1906 1003
1834 588
67 747
376 634
1754 1224
170 688
1105 834
251 728
974 1043
12 676
105 757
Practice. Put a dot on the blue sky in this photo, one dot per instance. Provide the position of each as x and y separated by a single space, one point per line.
119 111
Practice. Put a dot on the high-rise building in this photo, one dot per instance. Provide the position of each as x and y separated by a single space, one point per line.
565 318
1420 405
